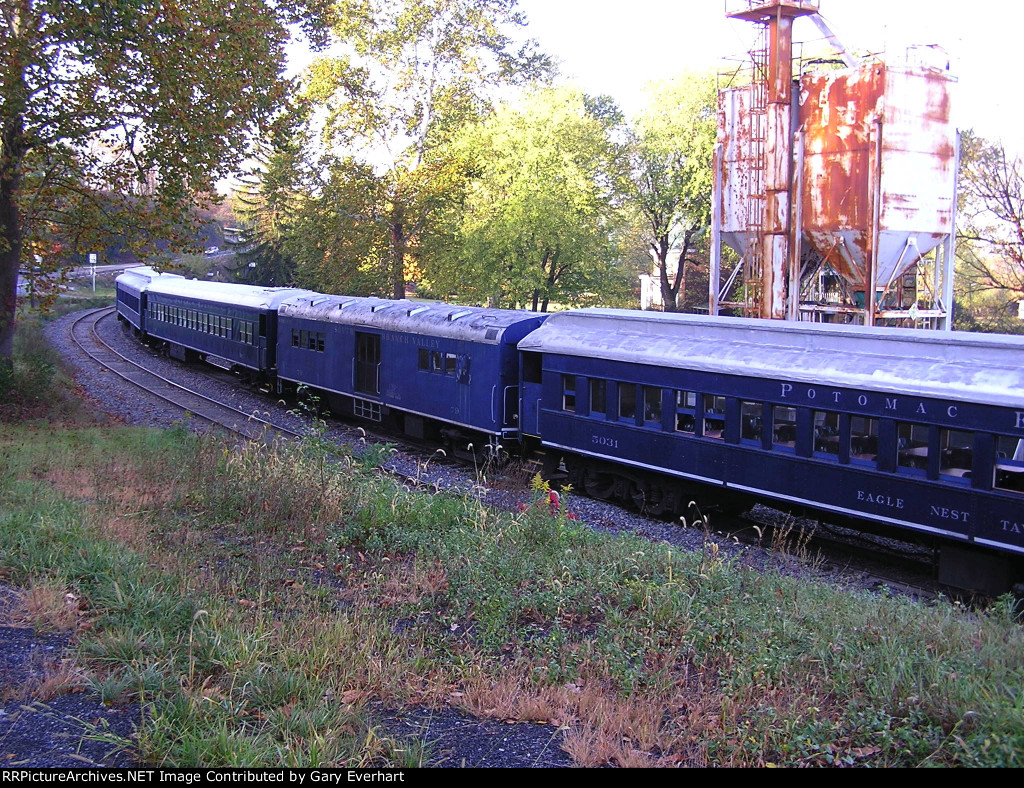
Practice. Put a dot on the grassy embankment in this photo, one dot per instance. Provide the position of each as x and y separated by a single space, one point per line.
263 605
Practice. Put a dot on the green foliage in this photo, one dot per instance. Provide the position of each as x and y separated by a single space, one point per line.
670 181
338 243
990 218
409 74
226 617
33 385
267 200
152 106
537 223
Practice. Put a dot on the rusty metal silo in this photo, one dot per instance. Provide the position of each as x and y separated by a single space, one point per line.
839 195
877 180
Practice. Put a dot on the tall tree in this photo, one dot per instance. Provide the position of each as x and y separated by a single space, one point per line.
538 221
991 216
116 116
413 71
335 239
671 151
268 199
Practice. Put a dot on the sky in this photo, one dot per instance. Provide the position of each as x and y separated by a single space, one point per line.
617 47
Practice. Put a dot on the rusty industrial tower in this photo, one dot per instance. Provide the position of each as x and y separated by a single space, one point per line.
836 186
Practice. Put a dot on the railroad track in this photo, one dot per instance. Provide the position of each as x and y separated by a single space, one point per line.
877 562
245 424
212 411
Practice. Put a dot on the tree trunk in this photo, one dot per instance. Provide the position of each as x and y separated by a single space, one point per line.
668 293
12 151
680 283
398 241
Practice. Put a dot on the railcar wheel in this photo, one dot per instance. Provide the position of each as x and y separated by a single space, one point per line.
599 485
639 496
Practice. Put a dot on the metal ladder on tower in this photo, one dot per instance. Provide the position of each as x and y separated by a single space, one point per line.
753 259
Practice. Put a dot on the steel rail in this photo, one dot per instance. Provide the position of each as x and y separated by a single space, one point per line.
248 425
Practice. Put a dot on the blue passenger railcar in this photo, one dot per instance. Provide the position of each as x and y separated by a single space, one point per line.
432 369
130 288
912 429
236 323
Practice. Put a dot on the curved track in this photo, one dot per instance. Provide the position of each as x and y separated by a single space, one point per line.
247 425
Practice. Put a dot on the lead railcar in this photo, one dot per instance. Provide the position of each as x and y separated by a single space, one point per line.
914 430
231 322
131 293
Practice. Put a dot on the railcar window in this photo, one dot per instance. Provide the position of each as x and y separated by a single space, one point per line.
784 427
423 361
532 367
1009 465
686 411
598 390
627 402
826 434
569 393
750 421
321 342
652 405
435 361
311 341
956 454
912 444
714 416
863 439
449 363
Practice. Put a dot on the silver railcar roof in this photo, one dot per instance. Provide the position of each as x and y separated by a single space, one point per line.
982 368
225 293
140 277
472 323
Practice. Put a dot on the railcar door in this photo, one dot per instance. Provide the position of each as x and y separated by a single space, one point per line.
529 411
367 372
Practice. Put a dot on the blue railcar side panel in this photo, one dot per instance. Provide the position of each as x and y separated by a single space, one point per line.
923 410
457 365
130 305
474 399
258 356
956 509
131 288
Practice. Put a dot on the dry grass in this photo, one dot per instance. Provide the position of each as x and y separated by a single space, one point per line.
409 582
45 607
320 599
57 677
601 727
